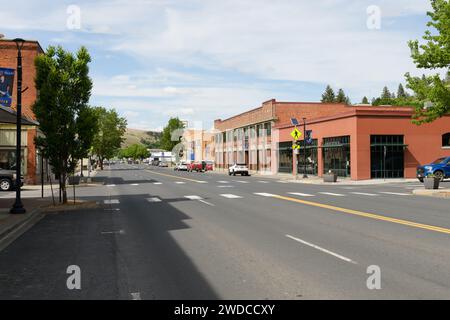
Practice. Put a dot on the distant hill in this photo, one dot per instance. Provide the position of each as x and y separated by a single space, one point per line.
133 136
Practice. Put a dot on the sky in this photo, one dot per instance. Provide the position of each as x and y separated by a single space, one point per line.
202 60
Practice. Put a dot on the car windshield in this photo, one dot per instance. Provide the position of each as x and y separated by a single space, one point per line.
440 160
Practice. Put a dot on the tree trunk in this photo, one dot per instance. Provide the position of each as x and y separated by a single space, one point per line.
101 164
63 188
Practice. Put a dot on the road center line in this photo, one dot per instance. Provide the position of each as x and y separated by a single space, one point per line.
366 214
321 249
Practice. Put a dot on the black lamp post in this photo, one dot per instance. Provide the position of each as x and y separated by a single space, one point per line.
304 148
18 206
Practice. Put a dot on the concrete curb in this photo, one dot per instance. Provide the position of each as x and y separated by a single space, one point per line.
10 234
439 193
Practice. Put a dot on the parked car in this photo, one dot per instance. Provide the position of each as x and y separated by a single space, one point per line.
181 166
200 166
440 168
7 178
163 164
238 168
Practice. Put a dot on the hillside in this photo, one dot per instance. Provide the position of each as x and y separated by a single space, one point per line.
133 136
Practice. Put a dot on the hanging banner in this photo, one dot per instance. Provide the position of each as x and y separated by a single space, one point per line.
6 86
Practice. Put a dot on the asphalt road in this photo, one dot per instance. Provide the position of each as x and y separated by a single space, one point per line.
162 234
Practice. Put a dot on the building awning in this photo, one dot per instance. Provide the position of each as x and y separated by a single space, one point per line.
8 115
338 145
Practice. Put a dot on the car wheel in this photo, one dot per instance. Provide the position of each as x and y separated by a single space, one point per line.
5 184
229 173
439 175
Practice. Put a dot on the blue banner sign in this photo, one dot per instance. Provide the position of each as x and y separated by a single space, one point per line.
6 86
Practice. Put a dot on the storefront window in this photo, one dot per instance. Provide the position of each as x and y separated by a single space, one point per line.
336 155
8 160
387 156
311 163
285 157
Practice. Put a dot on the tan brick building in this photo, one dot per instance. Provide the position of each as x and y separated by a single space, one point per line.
8 60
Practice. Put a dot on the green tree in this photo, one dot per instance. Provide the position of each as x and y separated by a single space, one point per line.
109 138
328 96
342 97
434 54
171 134
401 93
135 151
386 94
62 80
365 100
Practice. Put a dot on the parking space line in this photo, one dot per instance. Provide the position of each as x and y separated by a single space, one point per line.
301 194
321 249
333 194
230 196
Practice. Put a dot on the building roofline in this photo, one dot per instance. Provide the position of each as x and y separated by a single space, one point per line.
26 41
361 111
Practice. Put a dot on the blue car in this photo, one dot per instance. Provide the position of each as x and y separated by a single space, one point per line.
440 168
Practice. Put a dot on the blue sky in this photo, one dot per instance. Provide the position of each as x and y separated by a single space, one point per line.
206 59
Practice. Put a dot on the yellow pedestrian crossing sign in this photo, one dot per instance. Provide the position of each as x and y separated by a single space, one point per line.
295 146
296 134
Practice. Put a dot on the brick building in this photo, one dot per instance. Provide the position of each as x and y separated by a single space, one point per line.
360 142
8 60
249 137
198 145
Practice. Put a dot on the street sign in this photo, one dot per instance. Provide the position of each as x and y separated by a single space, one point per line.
295 146
296 134
294 121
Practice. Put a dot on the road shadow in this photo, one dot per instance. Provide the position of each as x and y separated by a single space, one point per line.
119 253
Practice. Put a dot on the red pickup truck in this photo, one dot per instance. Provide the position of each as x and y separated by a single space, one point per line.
200 166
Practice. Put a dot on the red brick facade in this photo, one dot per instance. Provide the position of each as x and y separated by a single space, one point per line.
8 59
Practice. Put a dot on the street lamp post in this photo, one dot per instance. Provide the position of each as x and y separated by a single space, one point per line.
18 206
304 149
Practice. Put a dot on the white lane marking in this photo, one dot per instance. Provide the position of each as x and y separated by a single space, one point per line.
333 194
110 185
193 197
365 194
223 181
208 203
240 181
180 182
134 184
263 181
321 249
225 186
265 194
396 193
113 201
155 199
201 181
301 194
135 296
114 232
157 183
230 196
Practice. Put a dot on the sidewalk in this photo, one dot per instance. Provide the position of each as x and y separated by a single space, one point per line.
13 225
289 178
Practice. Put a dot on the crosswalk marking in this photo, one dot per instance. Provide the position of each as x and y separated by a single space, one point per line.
301 194
333 194
155 199
230 196
113 201
365 194
193 197
263 194
396 193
